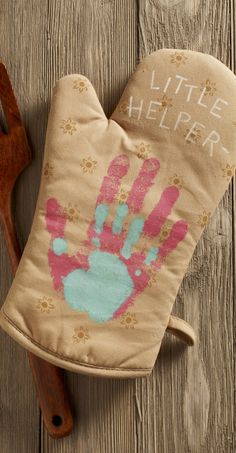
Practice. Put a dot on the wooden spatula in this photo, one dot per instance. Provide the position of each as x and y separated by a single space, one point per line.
15 155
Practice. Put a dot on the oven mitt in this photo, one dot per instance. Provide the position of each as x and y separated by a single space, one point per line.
122 205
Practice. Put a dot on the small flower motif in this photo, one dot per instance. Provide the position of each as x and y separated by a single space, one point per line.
194 136
45 304
123 107
129 320
152 277
164 233
203 219
81 85
72 212
68 126
48 170
209 87
142 150
88 165
81 335
176 181
228 171
165 103
122 196
178 58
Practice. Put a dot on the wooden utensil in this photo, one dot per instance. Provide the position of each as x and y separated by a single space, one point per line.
15 155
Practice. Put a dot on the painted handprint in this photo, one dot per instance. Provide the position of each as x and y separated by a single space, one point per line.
107 278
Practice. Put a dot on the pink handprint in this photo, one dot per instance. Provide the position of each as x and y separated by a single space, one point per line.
106 279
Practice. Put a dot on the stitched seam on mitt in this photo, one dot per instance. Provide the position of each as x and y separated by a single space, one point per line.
49 351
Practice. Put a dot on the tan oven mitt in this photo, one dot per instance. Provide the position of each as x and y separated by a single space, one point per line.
122 204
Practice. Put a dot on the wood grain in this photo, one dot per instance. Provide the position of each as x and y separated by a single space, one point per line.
19 414
199 407
187 405
233 67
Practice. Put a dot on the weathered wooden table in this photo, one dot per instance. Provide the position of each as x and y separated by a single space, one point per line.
187 405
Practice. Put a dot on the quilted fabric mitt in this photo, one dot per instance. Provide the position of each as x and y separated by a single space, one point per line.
122 204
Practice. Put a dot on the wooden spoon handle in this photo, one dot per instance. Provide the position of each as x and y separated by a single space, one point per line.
48 379
52 396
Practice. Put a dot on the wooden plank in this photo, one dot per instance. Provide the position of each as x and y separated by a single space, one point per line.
233 67
97 39
188 403
19 413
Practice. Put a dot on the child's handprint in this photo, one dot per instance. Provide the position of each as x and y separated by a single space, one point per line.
104 281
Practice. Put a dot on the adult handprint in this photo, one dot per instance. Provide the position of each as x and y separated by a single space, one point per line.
106 279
